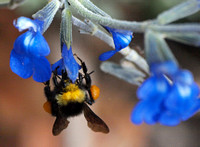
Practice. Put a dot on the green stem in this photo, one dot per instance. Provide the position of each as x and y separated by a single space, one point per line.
106 21
92 7
184 27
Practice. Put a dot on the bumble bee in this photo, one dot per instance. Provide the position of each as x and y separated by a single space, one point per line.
69 99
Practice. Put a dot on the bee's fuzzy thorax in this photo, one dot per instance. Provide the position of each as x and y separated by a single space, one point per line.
72 93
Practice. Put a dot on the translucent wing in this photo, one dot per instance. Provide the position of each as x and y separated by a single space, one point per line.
60 124
94 122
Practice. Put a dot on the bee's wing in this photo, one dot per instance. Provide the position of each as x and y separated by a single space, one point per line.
94 122
60 124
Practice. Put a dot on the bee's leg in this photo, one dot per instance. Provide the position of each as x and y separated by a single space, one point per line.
47 90
55 80
80 79
55 77
63 78
90 101
64 75
86 74
91 98
82 65
88 81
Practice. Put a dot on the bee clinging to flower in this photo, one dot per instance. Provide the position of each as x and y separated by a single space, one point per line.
68 99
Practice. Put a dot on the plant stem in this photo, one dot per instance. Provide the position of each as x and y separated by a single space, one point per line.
106 21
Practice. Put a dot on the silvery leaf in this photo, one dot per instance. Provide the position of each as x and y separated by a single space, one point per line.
156 48
130 75
66 27
180 11
186 38
47 13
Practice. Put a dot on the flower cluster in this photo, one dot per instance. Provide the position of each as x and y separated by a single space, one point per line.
168 96
28 55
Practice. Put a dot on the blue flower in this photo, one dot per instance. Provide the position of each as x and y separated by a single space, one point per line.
67 63
169 96
121 38
27 57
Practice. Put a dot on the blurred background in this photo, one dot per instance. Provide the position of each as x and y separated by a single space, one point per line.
24 123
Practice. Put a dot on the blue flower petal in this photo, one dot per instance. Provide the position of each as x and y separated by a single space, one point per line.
192 111
138 113
169 119
153 109
40 25
38 45
107 55
32 43
23 23
72 67
150 115
42 69
21 65
168 67
22 42
26 66
181 97
153 87
183 76
146 111
27 57
122 38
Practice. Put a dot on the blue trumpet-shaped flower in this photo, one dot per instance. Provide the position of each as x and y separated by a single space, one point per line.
27 57
121 38
67 63
169 96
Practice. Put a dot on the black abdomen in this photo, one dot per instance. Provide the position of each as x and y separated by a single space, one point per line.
72 109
